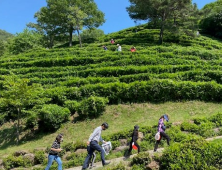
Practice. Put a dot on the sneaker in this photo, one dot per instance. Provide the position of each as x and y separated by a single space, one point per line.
106 163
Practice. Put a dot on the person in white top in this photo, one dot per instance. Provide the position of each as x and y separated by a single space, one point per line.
119 47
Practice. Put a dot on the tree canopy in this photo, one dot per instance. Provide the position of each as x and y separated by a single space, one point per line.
170 13
66 16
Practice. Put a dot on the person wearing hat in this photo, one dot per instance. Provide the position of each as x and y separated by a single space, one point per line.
53 153
119 48
93 144
161 130
134 138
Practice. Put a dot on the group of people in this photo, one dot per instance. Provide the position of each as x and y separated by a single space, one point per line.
95 138
119 48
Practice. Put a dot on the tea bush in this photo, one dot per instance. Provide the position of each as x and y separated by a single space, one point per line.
52 116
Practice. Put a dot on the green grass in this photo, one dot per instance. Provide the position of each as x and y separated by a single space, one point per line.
119 117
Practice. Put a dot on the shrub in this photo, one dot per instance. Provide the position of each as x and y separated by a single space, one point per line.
52 116
141 159
13 162
39 157
72 106
194 153
92 107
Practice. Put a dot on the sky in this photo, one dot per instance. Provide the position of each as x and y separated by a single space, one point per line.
15 14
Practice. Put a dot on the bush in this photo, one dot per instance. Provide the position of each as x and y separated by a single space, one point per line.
141 159
92 107
72 106
39 157
52 116
194 153
13 162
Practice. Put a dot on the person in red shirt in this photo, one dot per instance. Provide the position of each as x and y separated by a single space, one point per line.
112 41
133 49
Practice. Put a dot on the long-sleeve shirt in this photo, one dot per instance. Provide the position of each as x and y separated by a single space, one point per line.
96 135
135 136
161 125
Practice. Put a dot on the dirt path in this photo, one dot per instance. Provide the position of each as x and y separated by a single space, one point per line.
125 161
116 161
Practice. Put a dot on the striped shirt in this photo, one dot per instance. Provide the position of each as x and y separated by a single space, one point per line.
96 135
55 145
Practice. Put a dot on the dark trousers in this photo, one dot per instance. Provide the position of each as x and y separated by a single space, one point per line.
135 143
162 135
94 146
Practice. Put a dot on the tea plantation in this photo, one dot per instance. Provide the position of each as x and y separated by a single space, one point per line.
81 82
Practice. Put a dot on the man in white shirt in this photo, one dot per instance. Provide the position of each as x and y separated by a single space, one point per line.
93 142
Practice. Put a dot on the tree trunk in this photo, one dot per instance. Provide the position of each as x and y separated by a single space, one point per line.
162 29
161 34
80 40
51 43
70 36
18 125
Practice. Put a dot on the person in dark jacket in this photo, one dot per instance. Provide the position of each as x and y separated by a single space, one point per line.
161 129
53 153
135 135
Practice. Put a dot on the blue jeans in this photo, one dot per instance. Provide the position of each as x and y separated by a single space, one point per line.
94 146
51 158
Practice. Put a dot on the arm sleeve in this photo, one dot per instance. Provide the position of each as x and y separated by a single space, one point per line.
93 134
101 139
160 125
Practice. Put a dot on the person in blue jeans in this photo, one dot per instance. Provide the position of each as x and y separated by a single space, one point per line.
93 144
53 153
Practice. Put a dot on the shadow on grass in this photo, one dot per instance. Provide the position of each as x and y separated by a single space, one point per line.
7 137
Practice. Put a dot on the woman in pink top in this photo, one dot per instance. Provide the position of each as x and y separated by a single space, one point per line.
161 129
112 41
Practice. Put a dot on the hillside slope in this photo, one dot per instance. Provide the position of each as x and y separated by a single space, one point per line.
182 69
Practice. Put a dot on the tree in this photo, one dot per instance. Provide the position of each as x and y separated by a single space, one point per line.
168 12
211 21
67 16
24 41
17 93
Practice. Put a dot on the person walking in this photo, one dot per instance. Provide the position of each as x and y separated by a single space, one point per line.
53 153
134 139
93 144
161 129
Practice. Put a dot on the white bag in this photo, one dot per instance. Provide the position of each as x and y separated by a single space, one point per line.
157 136
107 147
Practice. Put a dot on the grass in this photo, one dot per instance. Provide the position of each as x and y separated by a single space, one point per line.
119 117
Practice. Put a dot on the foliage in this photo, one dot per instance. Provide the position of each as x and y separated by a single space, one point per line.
92 107
91 35
19 94
25 41
65 17
211 19
39 157
14 162
4 35
52 116
192 154
141 159
169 13
72 106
